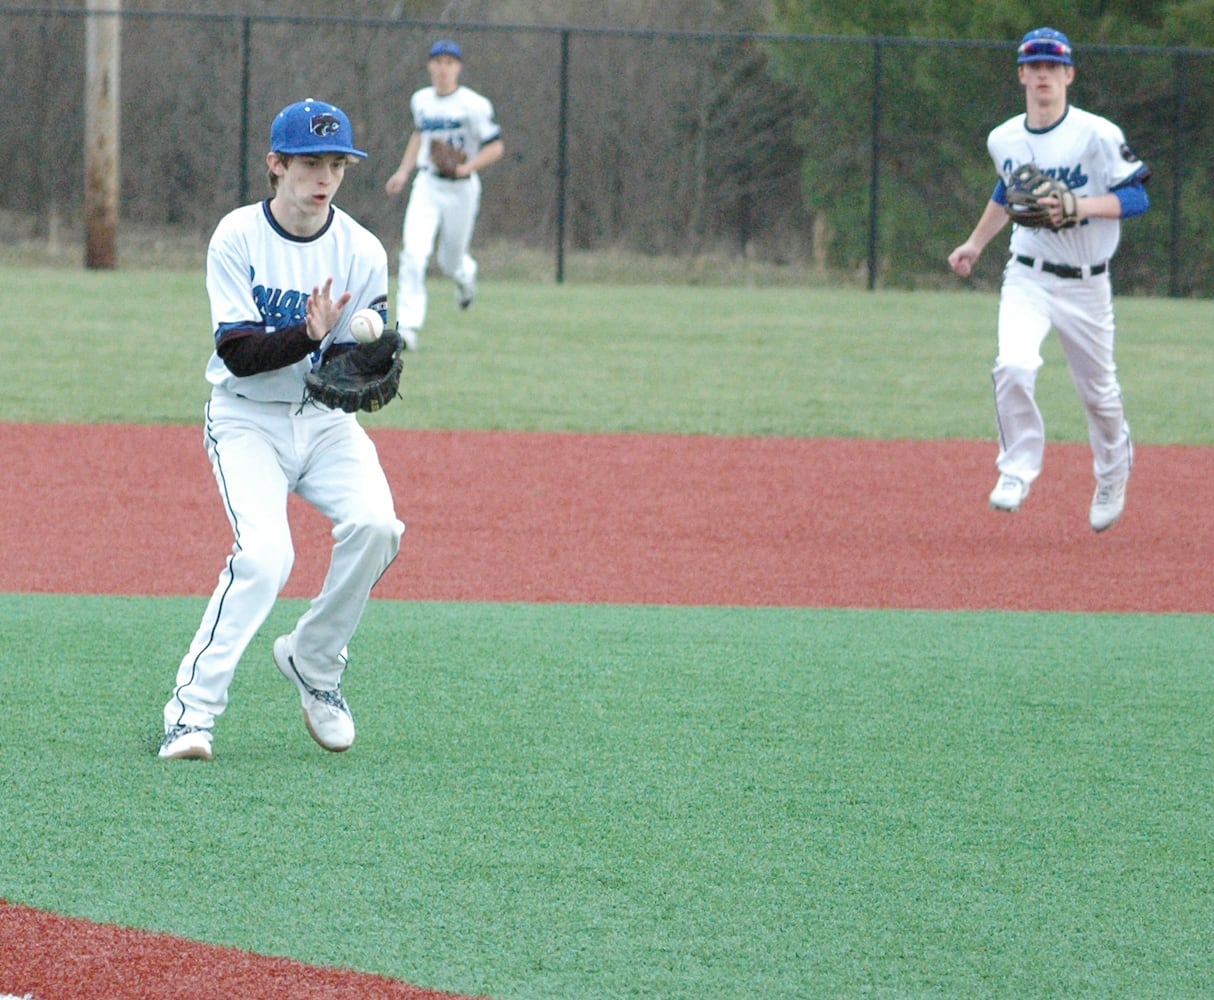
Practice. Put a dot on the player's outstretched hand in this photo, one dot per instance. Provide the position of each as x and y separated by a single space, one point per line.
323 310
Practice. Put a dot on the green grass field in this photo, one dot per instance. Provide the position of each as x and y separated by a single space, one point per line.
699 360
555 802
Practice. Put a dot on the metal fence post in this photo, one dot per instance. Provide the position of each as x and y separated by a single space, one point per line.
246 37
562 157
874 180
1178 161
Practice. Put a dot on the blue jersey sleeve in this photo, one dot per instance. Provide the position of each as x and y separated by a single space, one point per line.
1134 200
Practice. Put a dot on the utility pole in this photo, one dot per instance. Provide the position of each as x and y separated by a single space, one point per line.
101 122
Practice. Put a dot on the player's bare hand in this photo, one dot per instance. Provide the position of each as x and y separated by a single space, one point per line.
1058 218
962 260
324 310
396 183
1052 205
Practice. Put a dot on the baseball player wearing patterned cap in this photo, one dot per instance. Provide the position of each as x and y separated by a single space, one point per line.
442 208
273 270
1059 277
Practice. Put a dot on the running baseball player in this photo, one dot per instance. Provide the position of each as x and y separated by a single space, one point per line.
1058 274
444 200
284 276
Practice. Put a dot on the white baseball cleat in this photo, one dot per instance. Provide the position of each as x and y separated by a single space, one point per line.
1107 505
465 293
1009 493
326 713
409 337
186 743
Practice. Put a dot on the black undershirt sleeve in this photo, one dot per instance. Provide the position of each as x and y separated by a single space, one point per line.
250 352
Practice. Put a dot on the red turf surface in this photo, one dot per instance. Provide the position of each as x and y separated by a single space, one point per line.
633 519
55 958
644 519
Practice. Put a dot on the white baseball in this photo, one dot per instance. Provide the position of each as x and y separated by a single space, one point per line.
366 326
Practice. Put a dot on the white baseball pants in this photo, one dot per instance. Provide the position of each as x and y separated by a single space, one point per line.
1081 311
260 453
439 210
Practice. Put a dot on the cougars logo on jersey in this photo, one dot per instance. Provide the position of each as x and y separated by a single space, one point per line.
1073 177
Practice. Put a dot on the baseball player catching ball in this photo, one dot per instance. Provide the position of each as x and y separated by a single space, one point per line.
445 198
284 277
1058 274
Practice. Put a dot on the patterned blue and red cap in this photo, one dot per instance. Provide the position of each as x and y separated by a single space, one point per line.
1044 45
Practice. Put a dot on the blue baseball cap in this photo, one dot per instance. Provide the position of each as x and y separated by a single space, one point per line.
1044 45
447 47
312 126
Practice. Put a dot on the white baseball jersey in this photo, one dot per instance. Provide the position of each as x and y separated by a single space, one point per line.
257 273
463 118
264 444
1090 154
440 209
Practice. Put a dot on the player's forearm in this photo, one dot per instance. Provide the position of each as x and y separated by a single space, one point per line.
408 159
1104 206
990 224
487 156
250 351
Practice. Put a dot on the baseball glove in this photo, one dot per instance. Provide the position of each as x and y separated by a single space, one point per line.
360 377
444 158
1025 189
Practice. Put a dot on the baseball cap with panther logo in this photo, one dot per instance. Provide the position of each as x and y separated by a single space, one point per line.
312 126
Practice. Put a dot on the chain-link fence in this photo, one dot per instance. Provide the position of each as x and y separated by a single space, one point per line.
840 155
